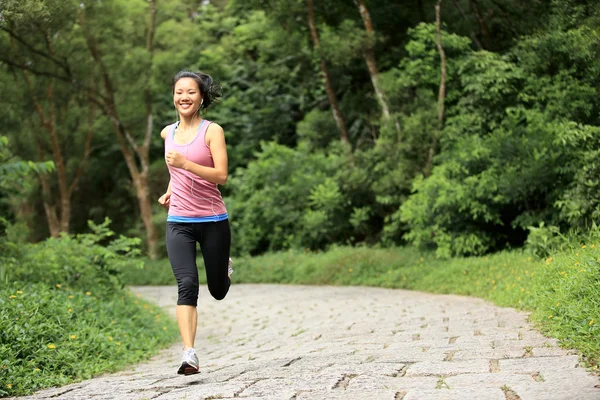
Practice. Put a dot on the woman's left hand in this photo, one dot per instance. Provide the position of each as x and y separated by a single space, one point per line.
175 159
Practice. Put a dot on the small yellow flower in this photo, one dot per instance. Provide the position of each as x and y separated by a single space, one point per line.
110 338
592 322
549 316
19 292
164 328
58 285
584 246
558 303
71 296
51 346
522 289
12 296
349 269
37 370
9 386
70 310
118 343
88 293
493 281
73 336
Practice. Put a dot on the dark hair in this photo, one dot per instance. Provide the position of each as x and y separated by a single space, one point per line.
209 90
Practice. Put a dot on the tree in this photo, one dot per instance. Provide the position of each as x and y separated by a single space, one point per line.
51 103
335 108
369 55
71 65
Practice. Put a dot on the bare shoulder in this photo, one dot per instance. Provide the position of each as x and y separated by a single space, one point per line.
165 132
214 131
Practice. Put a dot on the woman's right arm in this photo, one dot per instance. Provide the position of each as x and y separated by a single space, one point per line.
165 199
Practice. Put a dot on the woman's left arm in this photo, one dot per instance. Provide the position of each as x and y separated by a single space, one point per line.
215 139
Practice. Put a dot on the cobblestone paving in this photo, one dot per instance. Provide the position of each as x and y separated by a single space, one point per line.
304 342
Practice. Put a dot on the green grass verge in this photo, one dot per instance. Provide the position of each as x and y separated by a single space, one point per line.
562 293
52 336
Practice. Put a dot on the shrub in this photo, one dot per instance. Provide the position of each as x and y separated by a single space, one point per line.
75 261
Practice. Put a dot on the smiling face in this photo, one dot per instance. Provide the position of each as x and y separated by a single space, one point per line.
187 97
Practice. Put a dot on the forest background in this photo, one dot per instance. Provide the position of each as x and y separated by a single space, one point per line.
461 128
346 122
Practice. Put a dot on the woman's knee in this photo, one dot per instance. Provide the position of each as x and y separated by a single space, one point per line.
188 291
218 293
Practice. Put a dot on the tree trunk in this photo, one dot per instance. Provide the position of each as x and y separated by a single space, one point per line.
369 55
442 92
127 145
58 218
335 109
56 224
471 32
49 208
482 24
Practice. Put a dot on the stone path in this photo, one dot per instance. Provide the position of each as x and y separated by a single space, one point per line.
303 342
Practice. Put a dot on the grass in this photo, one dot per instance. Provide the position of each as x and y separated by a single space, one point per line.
51 335
562 292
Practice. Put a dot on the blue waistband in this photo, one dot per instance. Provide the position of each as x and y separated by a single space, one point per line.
211 218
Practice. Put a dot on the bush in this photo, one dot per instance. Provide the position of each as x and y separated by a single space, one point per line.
78 262
64 314
52 335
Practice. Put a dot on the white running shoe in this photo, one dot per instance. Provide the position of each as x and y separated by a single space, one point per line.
230 267
189 363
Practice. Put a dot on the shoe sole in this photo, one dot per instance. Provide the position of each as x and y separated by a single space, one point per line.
187 369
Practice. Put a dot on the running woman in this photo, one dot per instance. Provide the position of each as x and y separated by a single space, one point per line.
196 157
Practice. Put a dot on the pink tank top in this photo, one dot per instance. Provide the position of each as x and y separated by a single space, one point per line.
192 196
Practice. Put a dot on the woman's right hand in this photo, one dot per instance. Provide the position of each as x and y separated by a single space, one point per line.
165 200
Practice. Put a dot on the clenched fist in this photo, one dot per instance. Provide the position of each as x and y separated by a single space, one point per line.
165 200
175 159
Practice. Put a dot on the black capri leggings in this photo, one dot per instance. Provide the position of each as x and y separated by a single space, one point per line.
215 241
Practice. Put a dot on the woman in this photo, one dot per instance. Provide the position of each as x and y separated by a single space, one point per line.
196 157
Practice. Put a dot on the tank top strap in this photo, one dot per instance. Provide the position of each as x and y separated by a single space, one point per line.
171 134
202 130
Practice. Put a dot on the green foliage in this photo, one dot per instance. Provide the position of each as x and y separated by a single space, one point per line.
509 158
64 313
517 148
80 262
53 336
284 200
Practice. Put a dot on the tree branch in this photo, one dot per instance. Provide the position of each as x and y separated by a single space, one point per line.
464 15
481 20
148 93
442 92
33 49
86 150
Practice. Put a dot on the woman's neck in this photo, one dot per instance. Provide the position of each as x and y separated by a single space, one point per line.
187 123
